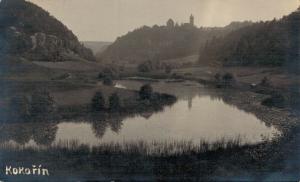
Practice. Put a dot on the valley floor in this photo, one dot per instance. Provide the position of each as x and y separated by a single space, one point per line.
264 161
260 162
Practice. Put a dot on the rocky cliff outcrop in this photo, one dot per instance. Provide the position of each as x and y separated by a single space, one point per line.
29 31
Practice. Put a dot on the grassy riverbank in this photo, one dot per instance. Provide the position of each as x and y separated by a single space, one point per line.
224 159
219 160
173 160
155 161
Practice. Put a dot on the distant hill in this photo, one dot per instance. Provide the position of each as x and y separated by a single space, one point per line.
163 42
96 46
270 43
28 31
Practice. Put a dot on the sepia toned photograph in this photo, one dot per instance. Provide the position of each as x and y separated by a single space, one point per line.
149 90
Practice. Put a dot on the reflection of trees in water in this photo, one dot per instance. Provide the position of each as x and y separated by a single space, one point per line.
100 123
99 128
244 102
194 93
146 115
20 134
116 124
41 133
235 99
45 133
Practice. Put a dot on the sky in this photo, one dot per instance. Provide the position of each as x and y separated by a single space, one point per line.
105 20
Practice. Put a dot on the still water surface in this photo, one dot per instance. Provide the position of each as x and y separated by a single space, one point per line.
198 114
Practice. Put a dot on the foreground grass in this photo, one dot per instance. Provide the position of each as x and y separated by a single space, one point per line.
154 148
151 161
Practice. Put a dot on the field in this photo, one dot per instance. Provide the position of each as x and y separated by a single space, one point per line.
278 77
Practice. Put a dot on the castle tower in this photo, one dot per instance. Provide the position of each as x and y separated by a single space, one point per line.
192 20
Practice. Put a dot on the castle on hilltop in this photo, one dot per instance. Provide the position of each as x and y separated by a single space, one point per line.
192 20
170 23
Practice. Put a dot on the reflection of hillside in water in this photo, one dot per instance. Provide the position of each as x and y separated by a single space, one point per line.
189 90
44 133
22 133
234 99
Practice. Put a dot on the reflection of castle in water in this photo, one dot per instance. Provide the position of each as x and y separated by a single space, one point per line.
45 133
190 102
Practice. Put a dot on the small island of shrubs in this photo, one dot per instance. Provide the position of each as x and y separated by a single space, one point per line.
146 99
41 106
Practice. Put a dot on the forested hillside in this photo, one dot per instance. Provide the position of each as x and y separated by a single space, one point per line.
163 42
271 43
27 30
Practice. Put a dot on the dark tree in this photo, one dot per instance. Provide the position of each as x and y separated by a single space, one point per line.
217 76
114 102
99 128
276 100
265 82
116 124
228 78
20 133
168 69
107 80
144 67
110 72
98 102
44 133
270 43
146 92
20 108
42 103
101 75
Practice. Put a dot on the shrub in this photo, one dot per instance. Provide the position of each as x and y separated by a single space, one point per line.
176 76
114 102
108 72
20 108
101 75
144 67
41 103
276 100
146 92
265 82
228 78
217 76
107 80
168 69
98 102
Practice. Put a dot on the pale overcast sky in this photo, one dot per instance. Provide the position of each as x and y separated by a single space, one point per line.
104 20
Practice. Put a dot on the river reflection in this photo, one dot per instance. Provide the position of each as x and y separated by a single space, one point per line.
198 114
